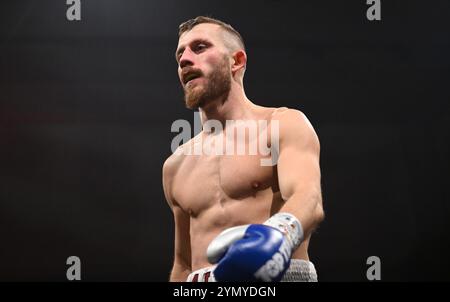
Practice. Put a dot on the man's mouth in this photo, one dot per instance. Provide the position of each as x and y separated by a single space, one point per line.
191 82
190 76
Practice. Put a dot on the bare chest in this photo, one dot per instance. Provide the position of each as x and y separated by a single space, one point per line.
205 181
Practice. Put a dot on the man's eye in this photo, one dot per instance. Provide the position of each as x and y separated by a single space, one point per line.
201 46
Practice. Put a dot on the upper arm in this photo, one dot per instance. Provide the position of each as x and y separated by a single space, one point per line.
298 165
182 250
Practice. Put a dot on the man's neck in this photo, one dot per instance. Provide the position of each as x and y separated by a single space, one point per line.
236 107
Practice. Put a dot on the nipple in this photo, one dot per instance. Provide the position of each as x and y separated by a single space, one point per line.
255 185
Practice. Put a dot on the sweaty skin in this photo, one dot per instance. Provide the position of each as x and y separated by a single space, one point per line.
209 193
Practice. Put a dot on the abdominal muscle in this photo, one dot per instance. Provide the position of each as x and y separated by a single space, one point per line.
228 213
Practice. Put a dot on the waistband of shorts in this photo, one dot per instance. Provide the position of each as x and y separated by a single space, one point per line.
299 271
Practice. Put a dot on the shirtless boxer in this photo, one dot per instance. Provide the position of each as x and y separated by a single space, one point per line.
235 219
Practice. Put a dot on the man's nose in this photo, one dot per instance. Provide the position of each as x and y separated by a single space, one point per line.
186 58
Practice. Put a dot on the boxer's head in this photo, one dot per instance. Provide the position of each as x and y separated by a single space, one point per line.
210 55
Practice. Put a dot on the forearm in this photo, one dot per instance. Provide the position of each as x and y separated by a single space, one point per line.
307 207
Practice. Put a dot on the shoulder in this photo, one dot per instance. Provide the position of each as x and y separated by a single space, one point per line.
294 126
169 169
173 163
170 166
286 115
289 115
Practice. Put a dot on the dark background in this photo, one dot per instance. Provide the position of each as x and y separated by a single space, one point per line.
86 109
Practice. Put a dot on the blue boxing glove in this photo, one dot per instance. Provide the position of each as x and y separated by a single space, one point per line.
256 252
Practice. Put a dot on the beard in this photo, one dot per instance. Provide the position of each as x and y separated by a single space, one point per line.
216 87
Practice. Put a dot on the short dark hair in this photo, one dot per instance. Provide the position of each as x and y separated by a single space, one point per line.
189 24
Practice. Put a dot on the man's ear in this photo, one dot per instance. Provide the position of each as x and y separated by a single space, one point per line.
239 61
